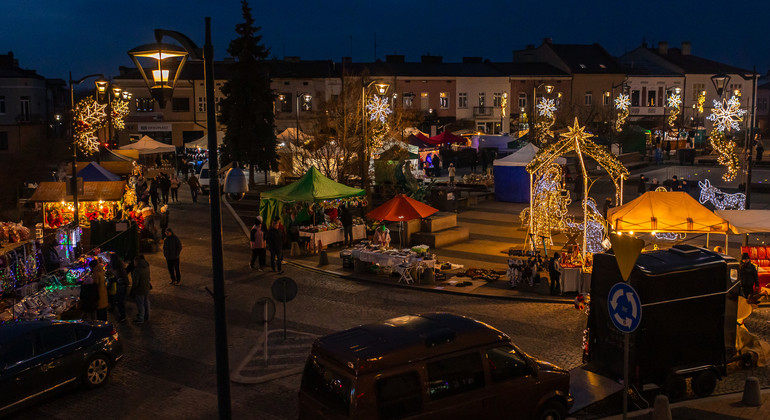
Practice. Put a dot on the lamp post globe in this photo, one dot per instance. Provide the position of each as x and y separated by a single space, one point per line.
720 81
164 63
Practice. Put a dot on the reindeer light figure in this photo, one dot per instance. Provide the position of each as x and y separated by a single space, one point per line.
720 200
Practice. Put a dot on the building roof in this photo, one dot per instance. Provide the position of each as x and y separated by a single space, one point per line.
696 65
9 68
420 69
528 69
591 58
54 192
308 69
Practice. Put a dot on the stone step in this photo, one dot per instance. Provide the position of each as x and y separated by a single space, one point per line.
439 221
442 238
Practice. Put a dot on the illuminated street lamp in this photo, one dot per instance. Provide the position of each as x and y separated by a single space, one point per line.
157 60
306 98
720 81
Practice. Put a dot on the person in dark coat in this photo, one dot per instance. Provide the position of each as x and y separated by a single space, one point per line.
140 289
154 194
748 275
89 298
346 217
172 248
642 188
554 273
165 187
118 271
436 165
275 244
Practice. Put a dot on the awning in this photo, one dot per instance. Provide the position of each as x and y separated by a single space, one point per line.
54 192
203 142
147 146
523 156
746 221
665 211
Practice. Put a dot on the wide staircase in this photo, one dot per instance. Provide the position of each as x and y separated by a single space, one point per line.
439 230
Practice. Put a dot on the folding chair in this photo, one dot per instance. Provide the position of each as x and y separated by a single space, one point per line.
405 272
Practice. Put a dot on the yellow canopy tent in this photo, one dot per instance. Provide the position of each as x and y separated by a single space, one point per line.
662 211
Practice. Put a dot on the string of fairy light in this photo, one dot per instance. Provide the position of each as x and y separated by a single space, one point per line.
726 116
622 102
546 109
550 201
90 116
675 104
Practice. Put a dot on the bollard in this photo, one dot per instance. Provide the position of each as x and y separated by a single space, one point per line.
661 409
323 258
751 392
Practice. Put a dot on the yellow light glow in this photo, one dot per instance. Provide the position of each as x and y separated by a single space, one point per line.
156 75
162 55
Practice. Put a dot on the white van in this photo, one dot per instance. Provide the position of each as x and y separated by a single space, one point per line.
203 178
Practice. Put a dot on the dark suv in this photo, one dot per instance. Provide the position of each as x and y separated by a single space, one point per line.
37 357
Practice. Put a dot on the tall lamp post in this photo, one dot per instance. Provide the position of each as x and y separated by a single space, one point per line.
382 89
751 138
74 179
162 88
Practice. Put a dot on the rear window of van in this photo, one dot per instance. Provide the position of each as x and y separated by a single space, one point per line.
327 386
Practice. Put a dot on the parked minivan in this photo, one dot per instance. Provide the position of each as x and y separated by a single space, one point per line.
429 366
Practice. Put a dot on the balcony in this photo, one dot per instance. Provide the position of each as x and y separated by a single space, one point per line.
483 111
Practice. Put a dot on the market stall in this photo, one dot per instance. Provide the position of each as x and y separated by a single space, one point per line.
330 234
665 211
511 176
401 209
98 200
747 222
203 142
147 146
96 172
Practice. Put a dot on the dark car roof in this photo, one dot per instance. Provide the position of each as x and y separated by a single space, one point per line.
405 339
9 331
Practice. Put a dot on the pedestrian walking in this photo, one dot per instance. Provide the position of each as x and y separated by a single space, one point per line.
97 273
174 189
118 270
154 194
658 155
275 244
195 186
748 275
163 218
89 298
165 187
172 248
474 162
140 289
554 273
257 241
451 174
668 150
346 217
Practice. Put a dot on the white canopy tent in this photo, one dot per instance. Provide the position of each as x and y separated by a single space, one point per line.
290 135
203 142
147 146
746 221
523 156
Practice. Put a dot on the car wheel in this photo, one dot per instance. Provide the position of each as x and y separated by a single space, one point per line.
552 410
675 387
97 371
704 384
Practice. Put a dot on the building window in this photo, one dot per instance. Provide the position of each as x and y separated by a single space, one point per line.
3 140
144 104
408 100
651 96
497 99
635 95
522 100
286 102
180 105
735 89
24 111
589 98
606 98
424 104
2 104
201 104
482 99
697 88
444 100
462 100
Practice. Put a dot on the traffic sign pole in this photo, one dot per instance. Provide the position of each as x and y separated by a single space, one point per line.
626 346
266 334
626 318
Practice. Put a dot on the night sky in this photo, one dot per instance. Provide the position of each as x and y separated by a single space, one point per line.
55 36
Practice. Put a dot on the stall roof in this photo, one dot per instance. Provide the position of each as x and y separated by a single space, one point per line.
523 156
146 146
203 142
95 172
54 192
117 167
313 186
665 211
746 221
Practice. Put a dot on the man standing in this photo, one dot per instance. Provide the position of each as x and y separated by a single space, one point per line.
748 275
275 243
451 174
553 274
257 240
346 217
165 187
172 247
194 187
140 289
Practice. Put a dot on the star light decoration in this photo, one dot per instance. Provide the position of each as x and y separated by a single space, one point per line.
675 103
622 102
89 118
726 116
379 109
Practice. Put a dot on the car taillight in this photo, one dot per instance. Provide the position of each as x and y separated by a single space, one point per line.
114 334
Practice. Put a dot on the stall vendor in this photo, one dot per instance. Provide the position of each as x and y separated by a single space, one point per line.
382 236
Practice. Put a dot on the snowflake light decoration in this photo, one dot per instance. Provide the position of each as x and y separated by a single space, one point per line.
119 113
674 102
546 108
727 116
378 109
622 102
89 117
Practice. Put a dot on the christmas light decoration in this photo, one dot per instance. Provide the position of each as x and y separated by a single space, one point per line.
378 108
669 236
550 202
726 116
595 228
701 100
674 102
119 112
622 102
545 109
89 117
719 199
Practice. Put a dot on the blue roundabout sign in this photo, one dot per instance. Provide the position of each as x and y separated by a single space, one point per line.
624 307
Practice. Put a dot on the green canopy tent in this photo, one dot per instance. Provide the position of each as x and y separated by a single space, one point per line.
311 188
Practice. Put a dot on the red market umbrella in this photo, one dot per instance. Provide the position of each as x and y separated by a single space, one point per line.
401 209
447 137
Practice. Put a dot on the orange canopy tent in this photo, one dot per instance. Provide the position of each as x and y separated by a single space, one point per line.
401 209
663 211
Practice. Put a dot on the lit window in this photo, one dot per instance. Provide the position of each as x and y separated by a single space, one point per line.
408 100
444 100
497 99
482 99
424 101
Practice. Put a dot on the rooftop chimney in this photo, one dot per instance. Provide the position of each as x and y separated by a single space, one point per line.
394 58
662 47
686 48
431 59
467 60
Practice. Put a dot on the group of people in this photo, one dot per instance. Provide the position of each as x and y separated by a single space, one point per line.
520 271
674 184
160 189
262 240
105 290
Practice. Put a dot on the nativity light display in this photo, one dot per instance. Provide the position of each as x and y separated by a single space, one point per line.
726 116
549 202
720 200
622 102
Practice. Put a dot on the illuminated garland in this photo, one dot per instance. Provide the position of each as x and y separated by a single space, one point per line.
701 100
726 116
129 197
545 109
550 202
120 111
720 200
674 102
89 117
622 102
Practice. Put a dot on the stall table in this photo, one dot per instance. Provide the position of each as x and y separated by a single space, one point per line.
572 279
327 237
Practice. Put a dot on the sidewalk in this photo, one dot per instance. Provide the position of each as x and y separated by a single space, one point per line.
725 407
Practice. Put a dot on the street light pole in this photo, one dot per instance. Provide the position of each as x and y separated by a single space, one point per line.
751 138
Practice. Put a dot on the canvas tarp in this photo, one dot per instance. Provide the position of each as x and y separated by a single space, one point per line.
746 221
203 142
146 145
95 172
312 187
55 192
523 156
664 211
